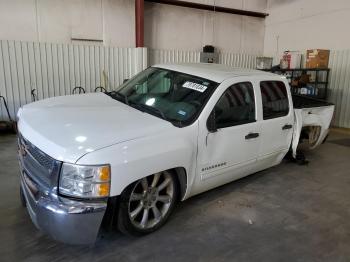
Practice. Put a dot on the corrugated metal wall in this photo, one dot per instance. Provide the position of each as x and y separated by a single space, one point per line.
339 86
178 56
238 60
172 56
55 69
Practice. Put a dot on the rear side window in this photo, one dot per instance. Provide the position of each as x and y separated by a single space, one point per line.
236 106
274 99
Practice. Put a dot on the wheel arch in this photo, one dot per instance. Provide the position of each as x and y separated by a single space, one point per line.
110 219
181 176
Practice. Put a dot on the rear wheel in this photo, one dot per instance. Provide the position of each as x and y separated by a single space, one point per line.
146 204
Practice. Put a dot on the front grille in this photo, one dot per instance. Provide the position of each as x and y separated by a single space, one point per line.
42 158
42 168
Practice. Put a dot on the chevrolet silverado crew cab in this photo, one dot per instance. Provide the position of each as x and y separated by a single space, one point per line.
124 158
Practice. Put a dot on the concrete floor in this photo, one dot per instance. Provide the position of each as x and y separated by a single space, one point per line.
287 213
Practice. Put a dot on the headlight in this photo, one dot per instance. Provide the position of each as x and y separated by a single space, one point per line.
85 181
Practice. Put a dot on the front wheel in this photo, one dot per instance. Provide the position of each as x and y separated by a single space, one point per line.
146 204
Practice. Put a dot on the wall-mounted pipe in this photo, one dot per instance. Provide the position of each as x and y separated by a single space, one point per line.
210 8
139 22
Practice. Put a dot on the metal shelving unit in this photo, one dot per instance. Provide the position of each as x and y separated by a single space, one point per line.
317 87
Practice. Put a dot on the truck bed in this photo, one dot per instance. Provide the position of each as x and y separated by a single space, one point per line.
312 115
300 101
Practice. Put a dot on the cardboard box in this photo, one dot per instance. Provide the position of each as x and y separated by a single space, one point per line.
317 58
304 79
301 80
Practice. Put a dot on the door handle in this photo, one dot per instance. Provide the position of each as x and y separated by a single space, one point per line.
251 135
287 126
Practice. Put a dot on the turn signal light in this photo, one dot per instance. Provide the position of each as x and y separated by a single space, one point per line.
103 190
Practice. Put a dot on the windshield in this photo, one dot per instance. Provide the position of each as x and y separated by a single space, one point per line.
176 97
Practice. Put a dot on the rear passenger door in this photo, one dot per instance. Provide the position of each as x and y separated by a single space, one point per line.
277 121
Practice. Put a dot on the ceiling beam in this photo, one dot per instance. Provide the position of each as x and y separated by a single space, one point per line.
210 8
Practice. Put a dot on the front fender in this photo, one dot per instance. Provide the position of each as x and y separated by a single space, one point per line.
135 159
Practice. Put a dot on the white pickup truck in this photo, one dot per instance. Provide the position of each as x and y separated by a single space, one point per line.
124 158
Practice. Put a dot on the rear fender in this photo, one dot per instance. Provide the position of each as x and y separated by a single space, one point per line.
320 117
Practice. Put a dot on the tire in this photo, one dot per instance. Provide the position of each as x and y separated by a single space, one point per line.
146 204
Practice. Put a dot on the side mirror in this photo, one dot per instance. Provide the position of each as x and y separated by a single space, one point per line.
211 123
125 80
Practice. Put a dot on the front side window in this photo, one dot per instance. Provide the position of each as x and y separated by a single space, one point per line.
176 97
236 106
274 99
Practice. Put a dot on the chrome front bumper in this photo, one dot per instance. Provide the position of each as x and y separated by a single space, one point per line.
66 220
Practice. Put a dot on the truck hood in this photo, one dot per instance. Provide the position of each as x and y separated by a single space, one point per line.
68 127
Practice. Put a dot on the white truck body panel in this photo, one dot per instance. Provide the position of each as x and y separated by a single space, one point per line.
137 144
67 127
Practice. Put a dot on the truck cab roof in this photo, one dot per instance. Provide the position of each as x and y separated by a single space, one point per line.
214 72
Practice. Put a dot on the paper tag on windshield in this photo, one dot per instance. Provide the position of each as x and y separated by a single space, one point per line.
195 86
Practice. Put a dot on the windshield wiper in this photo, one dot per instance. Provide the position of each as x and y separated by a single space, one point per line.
118 94
159 112
143 107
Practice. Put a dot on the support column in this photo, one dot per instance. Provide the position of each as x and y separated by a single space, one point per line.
139 22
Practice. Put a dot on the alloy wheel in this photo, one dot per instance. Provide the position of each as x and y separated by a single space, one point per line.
150 200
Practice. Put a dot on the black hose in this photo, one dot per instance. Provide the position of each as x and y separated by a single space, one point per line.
34 96
6 107
80 90
101 89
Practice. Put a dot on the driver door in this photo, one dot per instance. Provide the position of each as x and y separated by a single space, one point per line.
230 152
